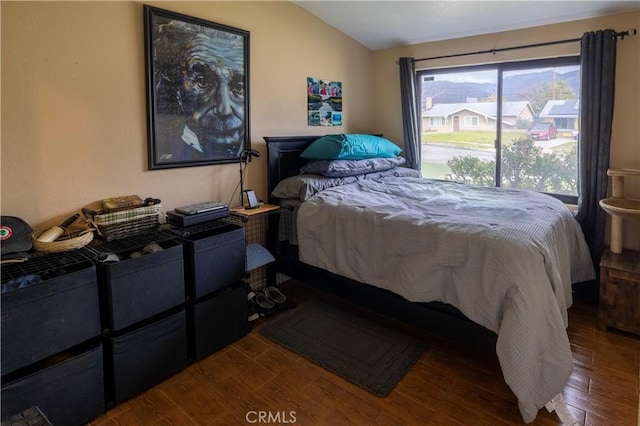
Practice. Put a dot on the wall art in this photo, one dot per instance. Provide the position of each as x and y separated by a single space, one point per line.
197 90
324 100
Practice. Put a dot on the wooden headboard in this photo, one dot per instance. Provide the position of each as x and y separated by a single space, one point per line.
283 157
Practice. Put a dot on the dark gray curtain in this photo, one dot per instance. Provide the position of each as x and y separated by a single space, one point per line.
598 63
410 115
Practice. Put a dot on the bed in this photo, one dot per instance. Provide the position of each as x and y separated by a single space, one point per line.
486 265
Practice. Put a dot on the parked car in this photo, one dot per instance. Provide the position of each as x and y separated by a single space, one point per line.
543 131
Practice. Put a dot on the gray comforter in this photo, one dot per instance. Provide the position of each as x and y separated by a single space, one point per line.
505 258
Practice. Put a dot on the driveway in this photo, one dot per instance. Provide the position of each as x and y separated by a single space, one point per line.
553 142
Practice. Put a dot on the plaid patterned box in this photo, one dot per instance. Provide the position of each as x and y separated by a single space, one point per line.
125 223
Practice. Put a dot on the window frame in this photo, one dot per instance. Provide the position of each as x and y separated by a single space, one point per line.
472 118
441 122
500 68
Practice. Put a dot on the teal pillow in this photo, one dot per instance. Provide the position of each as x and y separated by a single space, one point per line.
326 148
351 147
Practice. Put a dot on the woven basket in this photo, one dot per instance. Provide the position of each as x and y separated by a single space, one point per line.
75 238
125 223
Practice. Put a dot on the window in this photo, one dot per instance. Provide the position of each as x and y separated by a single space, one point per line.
513 125
471 121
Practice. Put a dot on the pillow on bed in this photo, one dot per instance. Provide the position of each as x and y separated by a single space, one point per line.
350 147
341 168
302 187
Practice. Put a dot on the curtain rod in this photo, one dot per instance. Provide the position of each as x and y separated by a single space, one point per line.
622 35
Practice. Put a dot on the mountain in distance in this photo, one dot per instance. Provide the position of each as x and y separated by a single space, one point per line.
449 92
515 87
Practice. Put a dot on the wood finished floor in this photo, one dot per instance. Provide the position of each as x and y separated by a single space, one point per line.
449 385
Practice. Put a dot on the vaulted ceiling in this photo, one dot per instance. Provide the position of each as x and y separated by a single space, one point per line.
382 24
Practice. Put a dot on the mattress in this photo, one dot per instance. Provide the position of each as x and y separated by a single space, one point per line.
505 258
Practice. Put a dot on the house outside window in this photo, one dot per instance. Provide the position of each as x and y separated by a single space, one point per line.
479 125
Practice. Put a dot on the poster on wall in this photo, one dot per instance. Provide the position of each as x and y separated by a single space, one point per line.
197 90
324 102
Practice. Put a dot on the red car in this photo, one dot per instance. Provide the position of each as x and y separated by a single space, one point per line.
543 132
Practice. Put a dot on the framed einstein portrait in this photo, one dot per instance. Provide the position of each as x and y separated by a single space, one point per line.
197 76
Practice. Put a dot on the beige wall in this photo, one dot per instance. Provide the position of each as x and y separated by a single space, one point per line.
625 139
74 108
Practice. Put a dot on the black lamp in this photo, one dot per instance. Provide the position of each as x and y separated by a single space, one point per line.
245 157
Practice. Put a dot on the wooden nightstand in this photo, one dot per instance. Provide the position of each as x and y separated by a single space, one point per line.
620 291
261 209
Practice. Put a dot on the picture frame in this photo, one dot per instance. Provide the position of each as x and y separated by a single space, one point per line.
197 85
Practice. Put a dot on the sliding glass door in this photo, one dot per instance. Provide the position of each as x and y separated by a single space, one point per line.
514 125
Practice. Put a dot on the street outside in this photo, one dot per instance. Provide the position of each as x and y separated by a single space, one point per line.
441 153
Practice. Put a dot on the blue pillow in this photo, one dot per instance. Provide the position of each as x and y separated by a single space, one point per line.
351 147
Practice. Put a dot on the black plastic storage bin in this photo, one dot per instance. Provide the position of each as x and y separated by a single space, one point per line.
218 321
45 318
214 258
68 393
142 358
136 289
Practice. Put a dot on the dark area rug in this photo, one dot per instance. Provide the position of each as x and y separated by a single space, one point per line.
370 355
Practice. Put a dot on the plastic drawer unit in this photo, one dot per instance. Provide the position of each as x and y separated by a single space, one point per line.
214 258
139 288
218 321
49 316
69 392
145 356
